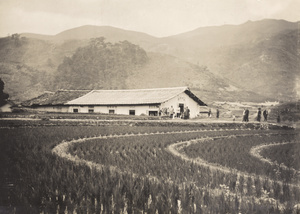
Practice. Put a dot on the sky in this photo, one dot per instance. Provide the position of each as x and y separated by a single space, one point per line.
155 17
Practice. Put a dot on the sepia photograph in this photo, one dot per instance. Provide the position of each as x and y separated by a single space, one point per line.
149 107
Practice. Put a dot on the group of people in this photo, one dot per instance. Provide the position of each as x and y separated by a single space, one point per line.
185 114
178 113
209 114
265 114
259 115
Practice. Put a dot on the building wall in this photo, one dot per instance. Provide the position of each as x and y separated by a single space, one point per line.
125 110
52 108
184 99
5 108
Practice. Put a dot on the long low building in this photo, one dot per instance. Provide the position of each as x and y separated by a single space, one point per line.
54 101
127 102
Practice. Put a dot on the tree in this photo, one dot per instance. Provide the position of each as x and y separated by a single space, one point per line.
3 96
16 38
100 65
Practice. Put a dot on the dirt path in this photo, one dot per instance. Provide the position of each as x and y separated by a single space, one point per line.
202 120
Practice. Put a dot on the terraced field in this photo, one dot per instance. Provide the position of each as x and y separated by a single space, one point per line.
286 154
153 167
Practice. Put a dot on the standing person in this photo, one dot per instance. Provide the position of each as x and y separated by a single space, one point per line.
258 115
209 113
186 114
217 113
233 118
278 118
178 112
165 111
171 112
265 113
244 115
247 115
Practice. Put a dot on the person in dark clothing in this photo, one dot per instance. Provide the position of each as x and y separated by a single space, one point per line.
244 116
265 113
209 113
278 118
247 115
258 115
217 113
186 113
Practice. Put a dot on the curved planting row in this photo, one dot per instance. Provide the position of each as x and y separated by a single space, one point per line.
154 156
192 151
258 150
234 152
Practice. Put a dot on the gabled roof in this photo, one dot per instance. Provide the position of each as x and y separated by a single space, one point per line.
7 102
59 97
132 97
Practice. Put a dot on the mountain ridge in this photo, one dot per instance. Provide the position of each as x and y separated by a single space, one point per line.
282 21
258 56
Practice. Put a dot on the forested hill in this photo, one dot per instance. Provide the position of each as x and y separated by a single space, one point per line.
100 65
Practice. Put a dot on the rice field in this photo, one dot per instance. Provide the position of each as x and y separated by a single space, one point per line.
147 167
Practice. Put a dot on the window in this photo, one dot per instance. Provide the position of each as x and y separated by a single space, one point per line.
91 109
131 112
111 111
153 113
75 110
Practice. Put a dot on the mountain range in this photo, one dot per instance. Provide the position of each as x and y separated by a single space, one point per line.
254 61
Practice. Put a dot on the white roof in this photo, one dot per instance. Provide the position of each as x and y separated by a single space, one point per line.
131 97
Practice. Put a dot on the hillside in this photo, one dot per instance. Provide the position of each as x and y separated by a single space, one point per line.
167 71
27 65
228 35
253 61
289 112
258 56
102 65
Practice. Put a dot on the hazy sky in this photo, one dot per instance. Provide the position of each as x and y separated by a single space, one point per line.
155 17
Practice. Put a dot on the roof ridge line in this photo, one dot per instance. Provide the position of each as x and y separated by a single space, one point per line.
74 89
90 92
187 88
144 89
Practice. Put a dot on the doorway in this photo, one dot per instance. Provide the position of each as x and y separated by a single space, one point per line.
181 106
